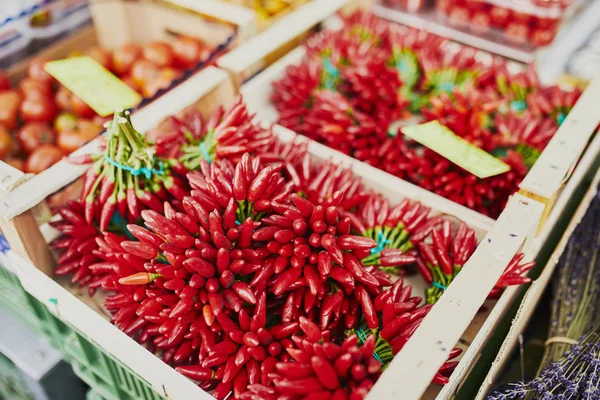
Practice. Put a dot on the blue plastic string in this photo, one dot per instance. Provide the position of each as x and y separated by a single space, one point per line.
135 172
446 86
205 153
518 105
381 242
332 74
439 285
560 118
401 66
363 338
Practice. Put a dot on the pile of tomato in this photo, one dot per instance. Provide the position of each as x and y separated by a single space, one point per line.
41 121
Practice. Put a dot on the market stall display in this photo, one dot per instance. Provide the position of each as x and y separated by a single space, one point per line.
353 225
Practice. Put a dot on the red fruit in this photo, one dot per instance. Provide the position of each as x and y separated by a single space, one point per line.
41 109
499 16
123 58
62 98
34 134
517 32
186 52
542 37
103 57
480 22
80 107
159 54
144 72
10 101
72 139
5 143
12 161
459 16
42 158
4 82
34 89
36 71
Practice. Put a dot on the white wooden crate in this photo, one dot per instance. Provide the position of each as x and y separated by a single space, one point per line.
559 162
414 366
537 288
270 44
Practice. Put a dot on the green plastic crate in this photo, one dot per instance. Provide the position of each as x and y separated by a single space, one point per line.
15 300
107 376
12 386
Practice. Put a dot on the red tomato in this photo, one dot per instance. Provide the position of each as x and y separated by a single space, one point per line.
10 101
65 121
16 163
166 76
33 89
42 158
480 22
123 58
521 17
158 53
34 134
517 32
4 82
186 51
459 16
144 72
80 108
102 56
542 37
5 143
36 71
42 109
499 16
62 98
129 81
70 140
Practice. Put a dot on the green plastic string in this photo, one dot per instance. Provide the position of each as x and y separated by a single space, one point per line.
362 336
136 171
381 242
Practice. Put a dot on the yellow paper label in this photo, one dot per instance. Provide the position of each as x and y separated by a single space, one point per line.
446 143
94 84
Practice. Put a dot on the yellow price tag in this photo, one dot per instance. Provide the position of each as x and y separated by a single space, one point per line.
446 143
94 84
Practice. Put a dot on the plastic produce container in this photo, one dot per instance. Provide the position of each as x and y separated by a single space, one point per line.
525 23
407 5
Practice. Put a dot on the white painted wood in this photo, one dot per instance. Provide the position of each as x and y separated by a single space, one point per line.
73 311
10 177
411 371
564 150
244 18
281 32
30 193
535 291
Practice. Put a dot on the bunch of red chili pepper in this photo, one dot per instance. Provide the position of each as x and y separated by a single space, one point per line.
353 84
269 274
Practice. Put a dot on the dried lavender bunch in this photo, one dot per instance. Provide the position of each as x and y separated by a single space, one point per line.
571 365
576 299
574 376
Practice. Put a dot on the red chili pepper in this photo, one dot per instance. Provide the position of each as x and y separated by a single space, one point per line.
141 278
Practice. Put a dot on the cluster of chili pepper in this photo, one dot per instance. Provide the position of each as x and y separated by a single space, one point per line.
354 84
258 255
